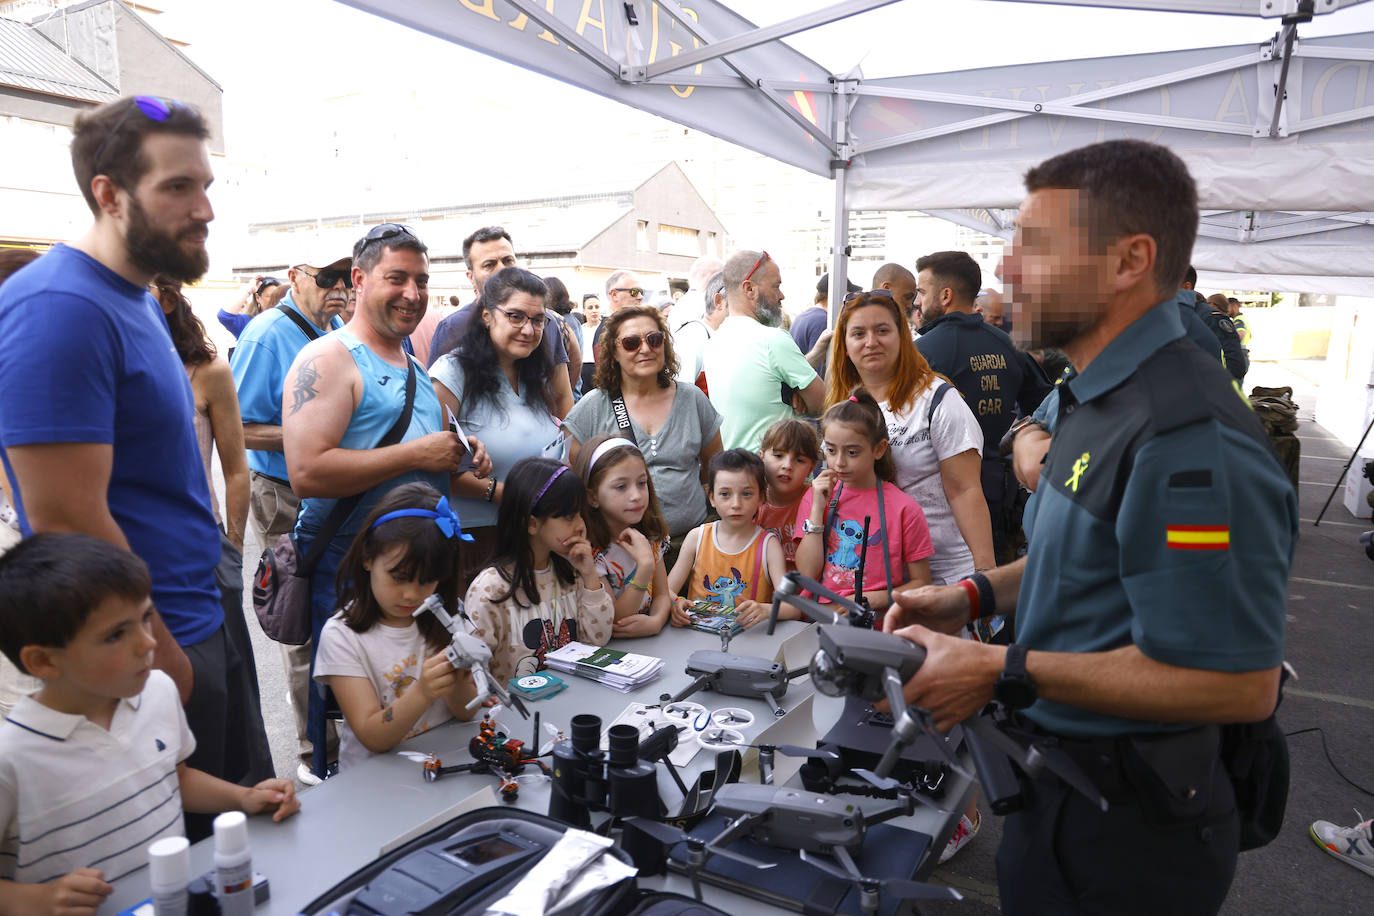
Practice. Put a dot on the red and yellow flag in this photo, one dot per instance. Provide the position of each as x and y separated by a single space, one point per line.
1198 537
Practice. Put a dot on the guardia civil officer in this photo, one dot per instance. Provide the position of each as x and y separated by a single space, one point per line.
994 377
1152 598
1218 321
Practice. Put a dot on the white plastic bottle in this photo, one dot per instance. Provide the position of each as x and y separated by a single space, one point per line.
233 865
169 872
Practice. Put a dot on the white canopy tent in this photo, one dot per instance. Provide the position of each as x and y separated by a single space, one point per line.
1279 136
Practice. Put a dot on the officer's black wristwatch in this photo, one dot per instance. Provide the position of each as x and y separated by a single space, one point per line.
1014 689
1008 441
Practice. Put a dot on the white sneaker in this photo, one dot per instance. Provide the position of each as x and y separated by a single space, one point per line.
965 832
306 776
1349 844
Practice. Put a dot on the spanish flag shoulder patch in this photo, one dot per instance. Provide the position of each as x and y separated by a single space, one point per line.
1198 537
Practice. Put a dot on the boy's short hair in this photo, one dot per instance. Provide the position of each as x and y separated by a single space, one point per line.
794 436
737 459
50 584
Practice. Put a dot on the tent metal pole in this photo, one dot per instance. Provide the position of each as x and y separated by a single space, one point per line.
1290 32
839 167
561 29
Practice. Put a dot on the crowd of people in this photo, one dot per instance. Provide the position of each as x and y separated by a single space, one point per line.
590 481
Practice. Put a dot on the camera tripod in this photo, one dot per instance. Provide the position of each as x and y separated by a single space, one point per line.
1340 480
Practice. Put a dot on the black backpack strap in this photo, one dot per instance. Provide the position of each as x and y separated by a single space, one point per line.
344 507
306 327
935 401
622 417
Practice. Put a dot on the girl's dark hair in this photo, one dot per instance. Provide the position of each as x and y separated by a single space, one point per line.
737 459
430 556
558 300
188 334
652 525
862 412
794 436
564 497
482 377
607 376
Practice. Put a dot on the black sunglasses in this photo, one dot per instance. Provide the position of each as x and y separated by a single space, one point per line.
880 293
636 292
632 343
328 279
380 234
151 107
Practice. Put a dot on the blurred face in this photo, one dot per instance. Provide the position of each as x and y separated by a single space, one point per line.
622 494
592 309
766 284
112 652
735 495
398 597
555 534
393 296
1058 285
516 325
872 342
486 259
167 216
628 290
645 360
931 297
787 471
846 449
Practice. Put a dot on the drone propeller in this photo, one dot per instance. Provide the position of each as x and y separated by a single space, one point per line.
1038 757
417 756
900 888
887 784
698 850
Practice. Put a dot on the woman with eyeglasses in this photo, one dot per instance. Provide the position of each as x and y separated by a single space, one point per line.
636 397
934 436
496 384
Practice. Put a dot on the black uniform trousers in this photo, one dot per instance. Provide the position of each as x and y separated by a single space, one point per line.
1062 855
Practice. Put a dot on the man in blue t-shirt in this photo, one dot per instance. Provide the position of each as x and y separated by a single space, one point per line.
319 288
96 409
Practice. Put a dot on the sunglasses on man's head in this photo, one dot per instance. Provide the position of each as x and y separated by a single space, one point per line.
328 279
632 342
762 257
152 107
636 292
380 234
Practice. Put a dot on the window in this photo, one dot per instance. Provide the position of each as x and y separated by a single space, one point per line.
642 235
677 240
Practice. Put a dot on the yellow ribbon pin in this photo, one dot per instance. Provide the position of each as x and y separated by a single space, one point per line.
1079 467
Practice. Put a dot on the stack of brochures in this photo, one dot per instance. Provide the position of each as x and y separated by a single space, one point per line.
622 670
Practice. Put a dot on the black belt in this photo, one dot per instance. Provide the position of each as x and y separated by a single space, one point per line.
276 480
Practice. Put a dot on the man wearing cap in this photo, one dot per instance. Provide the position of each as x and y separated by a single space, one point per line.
319 288
810 328
344 394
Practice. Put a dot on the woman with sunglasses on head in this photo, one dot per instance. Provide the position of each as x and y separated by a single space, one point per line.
635 397
496 383
933 434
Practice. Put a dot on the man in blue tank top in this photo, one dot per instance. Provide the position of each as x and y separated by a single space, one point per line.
344 392
95 406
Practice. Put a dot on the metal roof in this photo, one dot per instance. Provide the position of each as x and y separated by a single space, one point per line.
29 60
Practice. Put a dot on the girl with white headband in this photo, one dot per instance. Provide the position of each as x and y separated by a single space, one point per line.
626 527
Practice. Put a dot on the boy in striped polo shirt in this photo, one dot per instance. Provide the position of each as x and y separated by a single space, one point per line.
91 765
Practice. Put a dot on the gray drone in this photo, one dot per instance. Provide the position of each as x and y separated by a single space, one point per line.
470 652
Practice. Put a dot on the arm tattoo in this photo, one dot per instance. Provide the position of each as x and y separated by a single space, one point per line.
306 377
388 714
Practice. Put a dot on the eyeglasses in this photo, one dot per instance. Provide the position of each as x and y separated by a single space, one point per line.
631 343
153 108
763 257
636 292
518 319
880 293
380 234
328 279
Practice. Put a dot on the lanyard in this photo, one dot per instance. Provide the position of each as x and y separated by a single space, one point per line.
833 513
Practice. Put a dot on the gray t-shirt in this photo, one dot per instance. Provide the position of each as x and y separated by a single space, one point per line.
673 456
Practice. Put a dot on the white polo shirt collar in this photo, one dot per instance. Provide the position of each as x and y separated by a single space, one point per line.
33 716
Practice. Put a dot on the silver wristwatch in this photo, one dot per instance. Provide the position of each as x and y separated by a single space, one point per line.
810 527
